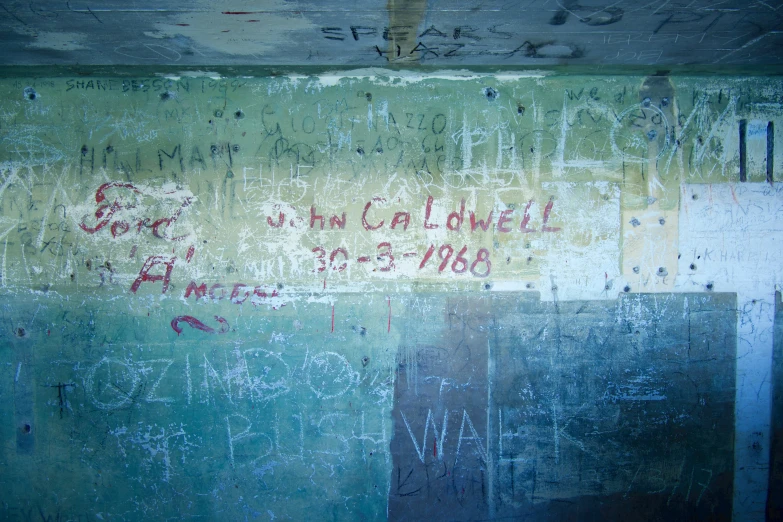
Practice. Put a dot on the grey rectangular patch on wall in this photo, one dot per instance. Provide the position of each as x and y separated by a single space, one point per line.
506 406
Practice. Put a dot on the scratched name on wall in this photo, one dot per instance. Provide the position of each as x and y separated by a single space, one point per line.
228 278
299 182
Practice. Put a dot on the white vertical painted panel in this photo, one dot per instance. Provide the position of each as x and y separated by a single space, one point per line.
731 240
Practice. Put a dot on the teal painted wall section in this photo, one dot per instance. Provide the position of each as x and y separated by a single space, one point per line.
114 420
374 295
490 406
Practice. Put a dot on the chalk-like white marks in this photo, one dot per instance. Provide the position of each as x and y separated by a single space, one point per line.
2 269
212 378
156 445
161 367
635 129
439 441
518 433
730 237
292 436
330 375
556 432
267 374
255 374
111 383
238 429
630 484
189 381
478 445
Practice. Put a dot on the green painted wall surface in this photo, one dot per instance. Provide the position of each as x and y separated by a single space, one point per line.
234 167
220 296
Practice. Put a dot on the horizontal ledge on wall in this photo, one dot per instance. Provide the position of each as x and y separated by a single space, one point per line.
212 70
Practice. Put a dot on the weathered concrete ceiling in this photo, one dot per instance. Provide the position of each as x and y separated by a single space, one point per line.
440 33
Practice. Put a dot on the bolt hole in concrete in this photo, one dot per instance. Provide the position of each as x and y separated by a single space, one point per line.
491 93
29 93
27 428
361 330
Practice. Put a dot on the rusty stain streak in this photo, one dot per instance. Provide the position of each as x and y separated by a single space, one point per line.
405 16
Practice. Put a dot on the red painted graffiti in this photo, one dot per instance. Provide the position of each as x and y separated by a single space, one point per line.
240 292
375 217
547 211
145 276
198 325
339 258
107 213
480 267
365 223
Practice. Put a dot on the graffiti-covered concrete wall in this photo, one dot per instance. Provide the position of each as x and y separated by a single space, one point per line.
374 295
